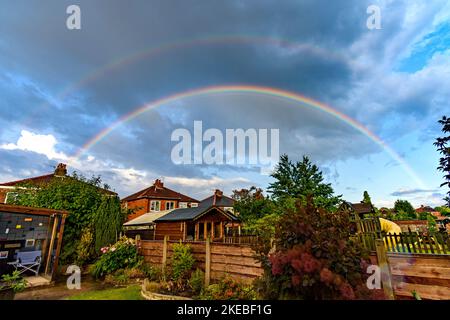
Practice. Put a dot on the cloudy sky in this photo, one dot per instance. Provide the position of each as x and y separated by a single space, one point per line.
60 88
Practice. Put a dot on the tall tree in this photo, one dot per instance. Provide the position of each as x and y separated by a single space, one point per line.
367 198
443 146
404 206
300 180
251 204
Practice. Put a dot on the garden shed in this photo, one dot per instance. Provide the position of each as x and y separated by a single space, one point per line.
30 233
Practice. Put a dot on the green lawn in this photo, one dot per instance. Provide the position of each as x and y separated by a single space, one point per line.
129 293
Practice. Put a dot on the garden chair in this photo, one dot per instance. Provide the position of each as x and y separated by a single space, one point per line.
27 261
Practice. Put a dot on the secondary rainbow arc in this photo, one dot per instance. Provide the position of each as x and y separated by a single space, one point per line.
269 91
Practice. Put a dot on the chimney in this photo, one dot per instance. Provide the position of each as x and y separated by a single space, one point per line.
158 184
61 170
217 195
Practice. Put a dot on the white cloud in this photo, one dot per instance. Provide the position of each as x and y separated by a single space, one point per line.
38 143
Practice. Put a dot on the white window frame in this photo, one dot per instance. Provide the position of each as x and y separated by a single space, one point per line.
170 202
153 205
183 205
11 194
194 204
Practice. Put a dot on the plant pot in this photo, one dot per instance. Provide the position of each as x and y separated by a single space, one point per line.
7 294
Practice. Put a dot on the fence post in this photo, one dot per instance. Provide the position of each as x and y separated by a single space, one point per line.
383 263
164 257
207 261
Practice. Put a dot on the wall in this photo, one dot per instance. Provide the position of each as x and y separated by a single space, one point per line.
172 229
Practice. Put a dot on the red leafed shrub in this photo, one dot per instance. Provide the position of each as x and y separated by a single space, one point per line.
315 257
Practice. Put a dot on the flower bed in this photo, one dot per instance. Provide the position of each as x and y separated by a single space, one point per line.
149 295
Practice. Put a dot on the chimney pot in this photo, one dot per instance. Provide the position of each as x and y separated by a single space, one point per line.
61 170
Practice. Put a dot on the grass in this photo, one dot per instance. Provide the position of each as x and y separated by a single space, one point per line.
129 293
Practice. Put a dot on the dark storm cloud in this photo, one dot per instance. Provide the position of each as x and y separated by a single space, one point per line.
36 46
413 192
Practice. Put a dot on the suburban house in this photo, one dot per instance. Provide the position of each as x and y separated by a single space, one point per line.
30 239
360 209
156 198
8 190
213 217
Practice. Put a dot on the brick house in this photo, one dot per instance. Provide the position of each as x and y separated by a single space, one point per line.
9 189
156 198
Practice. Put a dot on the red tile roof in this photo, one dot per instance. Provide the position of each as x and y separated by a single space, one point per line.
60 172
158 191
35 181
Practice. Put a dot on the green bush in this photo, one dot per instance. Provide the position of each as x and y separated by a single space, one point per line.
182 262
197 281
123 254
228 289
314 257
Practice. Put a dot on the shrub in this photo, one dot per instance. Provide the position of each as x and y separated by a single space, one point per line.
13 281
182 262
228 289
119 277
123 254
315 257
197 281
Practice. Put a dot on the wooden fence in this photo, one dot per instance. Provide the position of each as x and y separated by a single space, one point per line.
401 273
215 259
426 274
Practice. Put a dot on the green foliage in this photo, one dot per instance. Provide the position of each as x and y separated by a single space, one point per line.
416 295
402 215
444 211
251 205
431 225
152 272
85 248
197 281
182 262
405 207
228 289
300 180
108 221
123 254
366 198
13 281
82 198
443 147
314 257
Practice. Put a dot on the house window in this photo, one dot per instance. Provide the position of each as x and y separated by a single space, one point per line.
194 204
155 205
170 205
183 205
11 197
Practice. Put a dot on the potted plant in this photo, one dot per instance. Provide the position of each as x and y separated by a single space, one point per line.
10 284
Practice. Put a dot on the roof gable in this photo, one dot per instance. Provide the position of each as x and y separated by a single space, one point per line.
154 192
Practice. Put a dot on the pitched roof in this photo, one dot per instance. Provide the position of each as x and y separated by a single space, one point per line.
192 214
147 218
155 192
35 181
216 200
425 209
360 208
60 172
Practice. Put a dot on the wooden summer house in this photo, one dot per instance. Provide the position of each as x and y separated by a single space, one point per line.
30 233
212 218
